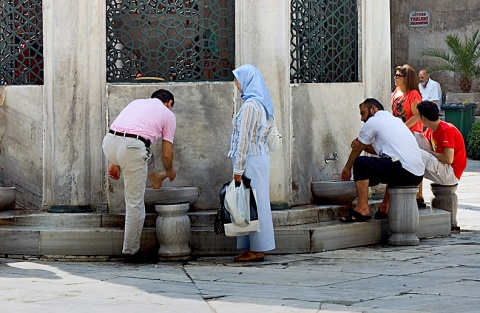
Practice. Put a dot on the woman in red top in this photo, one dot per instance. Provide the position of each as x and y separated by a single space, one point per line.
406 96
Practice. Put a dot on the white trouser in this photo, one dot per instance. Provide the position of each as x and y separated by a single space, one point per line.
436 171
258 170
132 156
422 141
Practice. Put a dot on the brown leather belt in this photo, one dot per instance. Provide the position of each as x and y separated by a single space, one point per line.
145 141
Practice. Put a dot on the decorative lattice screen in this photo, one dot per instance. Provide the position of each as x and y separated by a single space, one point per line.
324 44
21 42
174 40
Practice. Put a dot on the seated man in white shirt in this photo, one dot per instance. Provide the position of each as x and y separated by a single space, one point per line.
399 162
430 89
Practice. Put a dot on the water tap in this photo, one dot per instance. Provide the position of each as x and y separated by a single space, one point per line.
333 158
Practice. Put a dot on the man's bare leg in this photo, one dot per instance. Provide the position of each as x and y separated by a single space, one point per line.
385 203
362 194
114 171
157 179
362 202
420 199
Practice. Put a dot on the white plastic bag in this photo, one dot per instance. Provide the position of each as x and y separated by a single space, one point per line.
237 203
233 230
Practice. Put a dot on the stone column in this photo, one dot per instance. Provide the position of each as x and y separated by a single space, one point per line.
403 217
271 55
445 198
74 93
173 232
376 53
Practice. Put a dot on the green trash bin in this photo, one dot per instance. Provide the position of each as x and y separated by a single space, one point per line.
461 115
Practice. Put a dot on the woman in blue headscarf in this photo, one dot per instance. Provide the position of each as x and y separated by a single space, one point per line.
249 153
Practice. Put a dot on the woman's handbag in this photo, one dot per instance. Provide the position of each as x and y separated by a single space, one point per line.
274 138
239 216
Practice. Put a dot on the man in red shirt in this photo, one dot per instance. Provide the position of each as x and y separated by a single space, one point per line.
446 163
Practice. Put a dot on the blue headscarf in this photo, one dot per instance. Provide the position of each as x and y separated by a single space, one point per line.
254 87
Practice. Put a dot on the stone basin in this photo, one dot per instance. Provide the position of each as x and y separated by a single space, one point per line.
171 195
7 198
334 192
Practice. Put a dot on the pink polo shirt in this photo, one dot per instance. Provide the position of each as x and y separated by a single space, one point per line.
148 118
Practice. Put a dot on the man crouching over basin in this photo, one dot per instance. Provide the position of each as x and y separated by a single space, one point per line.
399 162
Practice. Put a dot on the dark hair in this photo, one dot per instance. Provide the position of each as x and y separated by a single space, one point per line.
371 102
429 110
163 95
411 78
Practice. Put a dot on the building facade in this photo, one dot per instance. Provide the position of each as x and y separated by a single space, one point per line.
51 133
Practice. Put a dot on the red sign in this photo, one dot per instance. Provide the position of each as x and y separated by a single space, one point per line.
419 19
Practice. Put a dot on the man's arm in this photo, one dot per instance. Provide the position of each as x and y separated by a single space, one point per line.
167 159
445 157
355 145
347 170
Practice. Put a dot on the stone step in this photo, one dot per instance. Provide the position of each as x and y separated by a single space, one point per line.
306 214
65 240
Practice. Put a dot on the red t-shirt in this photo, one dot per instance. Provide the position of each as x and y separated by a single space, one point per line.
402 107
447 135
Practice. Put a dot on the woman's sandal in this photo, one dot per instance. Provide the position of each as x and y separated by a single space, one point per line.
354 217
250 256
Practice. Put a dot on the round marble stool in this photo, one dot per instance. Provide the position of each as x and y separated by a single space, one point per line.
445 198
173 232
403 218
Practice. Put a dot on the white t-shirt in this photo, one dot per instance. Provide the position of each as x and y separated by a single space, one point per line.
432 92
390 137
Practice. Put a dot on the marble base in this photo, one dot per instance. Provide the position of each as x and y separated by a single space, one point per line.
403 217
445 198
173 232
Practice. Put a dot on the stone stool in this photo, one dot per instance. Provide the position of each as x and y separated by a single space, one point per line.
445 198
173 232
403 218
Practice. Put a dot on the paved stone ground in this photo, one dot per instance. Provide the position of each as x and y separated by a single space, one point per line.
439 275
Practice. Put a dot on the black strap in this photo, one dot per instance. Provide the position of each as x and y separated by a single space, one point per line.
145 141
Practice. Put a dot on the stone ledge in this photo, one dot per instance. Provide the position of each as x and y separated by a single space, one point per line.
305 238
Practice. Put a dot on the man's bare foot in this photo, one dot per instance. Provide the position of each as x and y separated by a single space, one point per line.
157 179
114 171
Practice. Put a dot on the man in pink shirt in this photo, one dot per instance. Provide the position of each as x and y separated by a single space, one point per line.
127 148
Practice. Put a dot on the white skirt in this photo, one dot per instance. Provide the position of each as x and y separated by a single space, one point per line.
258 170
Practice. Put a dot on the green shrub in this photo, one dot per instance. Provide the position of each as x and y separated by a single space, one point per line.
473 142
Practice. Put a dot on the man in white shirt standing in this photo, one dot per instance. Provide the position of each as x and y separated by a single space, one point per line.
430 89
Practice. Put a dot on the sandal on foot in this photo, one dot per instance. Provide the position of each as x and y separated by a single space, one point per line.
354 216
455 229
381 216
250 256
